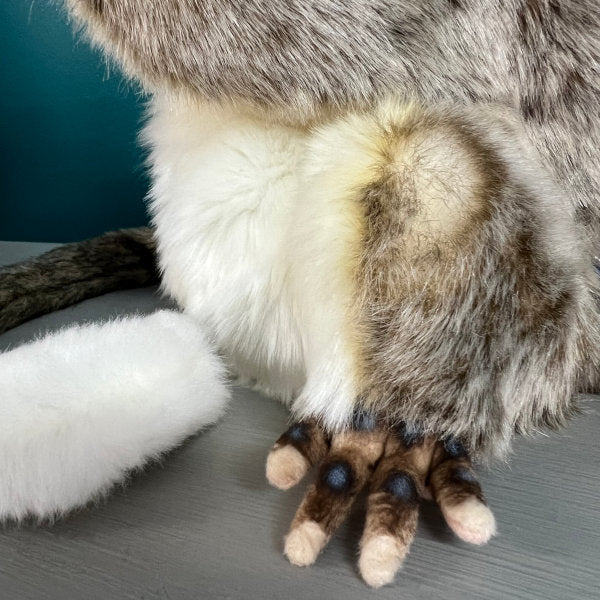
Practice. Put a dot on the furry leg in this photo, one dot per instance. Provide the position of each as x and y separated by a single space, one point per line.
397 485
84 406
328 501
459 495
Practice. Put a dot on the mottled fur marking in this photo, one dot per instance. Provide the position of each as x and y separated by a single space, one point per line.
74 272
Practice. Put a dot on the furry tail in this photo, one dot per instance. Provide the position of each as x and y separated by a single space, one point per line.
84 406
73 272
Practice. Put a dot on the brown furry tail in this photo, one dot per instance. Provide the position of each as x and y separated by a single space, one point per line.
73 272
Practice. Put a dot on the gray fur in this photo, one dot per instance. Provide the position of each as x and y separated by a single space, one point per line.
305 60
486 329
74 272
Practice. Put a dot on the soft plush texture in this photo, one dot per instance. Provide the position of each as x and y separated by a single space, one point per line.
414 261
302 61
398 468
82 407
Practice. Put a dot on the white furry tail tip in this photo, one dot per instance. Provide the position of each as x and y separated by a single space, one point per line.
82 407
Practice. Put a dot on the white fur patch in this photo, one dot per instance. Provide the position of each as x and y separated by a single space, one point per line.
82 407
223 188
471 520
303 543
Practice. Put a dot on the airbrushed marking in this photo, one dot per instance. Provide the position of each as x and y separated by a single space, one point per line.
337 476
401 486
297 433
409 433
454 448
363 421
464 474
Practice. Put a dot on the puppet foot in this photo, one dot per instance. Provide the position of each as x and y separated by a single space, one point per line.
402 466
471 520
304 542
286 467
380 559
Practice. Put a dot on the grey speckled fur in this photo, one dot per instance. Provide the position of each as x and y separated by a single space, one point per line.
482 325
74 272
304 59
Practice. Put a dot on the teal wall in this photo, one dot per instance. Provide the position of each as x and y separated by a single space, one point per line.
70 167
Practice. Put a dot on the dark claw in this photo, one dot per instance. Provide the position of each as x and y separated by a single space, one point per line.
337 476
454 448
409 433
298 433
402 486
463 474
363 421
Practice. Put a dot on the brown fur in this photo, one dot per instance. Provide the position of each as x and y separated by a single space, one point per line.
375 456
329 507
484 325
312 443
74 272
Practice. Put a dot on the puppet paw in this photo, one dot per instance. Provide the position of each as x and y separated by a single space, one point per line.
304 542
471 520
400 466
380 559
286 467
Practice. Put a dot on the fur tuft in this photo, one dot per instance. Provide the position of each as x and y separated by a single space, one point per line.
81 408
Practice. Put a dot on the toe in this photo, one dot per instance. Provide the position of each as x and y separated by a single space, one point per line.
471 520
380 559
286 467
304 542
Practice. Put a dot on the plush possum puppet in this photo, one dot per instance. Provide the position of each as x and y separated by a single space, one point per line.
383 213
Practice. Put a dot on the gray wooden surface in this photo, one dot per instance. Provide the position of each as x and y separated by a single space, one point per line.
205 524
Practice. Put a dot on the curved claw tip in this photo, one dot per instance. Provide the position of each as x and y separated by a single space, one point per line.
471 520
285 467
304 542
380 559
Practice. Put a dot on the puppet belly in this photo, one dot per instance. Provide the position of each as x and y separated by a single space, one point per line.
223 191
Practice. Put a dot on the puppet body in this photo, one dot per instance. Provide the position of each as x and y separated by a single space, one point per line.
384 260
387 206
344 268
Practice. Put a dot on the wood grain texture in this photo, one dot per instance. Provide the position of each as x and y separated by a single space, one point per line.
205 524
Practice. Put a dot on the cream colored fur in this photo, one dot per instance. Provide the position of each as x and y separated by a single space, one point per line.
256 234
471 520
304 542
286 467
380 558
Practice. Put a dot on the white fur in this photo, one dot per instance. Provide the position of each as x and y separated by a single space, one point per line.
224 186
258 230
82 407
